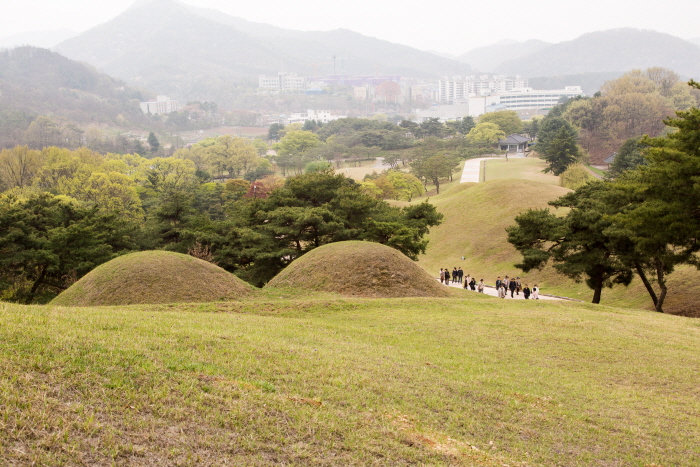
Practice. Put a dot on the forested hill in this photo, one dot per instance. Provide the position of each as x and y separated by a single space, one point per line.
196 54
36 81
615 50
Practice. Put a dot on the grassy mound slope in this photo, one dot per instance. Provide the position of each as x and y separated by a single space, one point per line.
154 277
339 382
362 269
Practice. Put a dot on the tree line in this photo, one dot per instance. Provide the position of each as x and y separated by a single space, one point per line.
63 212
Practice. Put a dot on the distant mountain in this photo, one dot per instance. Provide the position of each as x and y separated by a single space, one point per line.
589 82
695 40
200 54
356 53
163 45
489 57
43 39
615 50
36 81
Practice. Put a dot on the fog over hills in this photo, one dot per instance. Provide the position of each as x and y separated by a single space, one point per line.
695 40
615 50
488 58
43 39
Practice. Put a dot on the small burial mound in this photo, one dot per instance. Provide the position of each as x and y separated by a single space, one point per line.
359 269
151 277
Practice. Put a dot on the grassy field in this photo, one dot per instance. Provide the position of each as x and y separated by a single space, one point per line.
327 381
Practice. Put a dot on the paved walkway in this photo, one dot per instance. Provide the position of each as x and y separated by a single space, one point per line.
472 167
379 164
490 290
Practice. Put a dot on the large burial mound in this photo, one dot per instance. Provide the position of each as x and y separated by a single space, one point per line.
154 277
359 269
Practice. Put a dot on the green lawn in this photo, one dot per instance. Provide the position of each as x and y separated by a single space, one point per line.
336 382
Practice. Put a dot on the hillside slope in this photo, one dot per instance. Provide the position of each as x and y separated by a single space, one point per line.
36 81
615 50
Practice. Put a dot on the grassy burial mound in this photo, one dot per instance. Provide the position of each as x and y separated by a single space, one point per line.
360 269
154 277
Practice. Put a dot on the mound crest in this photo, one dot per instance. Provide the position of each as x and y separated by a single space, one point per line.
359 269
151 277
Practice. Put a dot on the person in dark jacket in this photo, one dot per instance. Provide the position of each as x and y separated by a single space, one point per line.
526 292
512 286
472 284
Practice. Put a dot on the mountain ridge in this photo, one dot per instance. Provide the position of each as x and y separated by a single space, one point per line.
612 50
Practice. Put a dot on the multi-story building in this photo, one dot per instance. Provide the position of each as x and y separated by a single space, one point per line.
451 90
519 100
161 105
282 82
528 98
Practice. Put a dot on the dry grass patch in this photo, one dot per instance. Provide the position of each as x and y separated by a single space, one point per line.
154 277
360 269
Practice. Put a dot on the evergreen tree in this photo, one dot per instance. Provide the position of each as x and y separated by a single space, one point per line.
558 145
153 142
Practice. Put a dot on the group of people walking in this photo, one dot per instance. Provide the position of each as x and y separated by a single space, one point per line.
503 286
457 277
515 286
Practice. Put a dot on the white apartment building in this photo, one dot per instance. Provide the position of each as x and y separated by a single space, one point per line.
323 116
282 82
528 98
451 90
162 105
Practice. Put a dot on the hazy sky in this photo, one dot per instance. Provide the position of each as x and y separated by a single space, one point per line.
444 25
